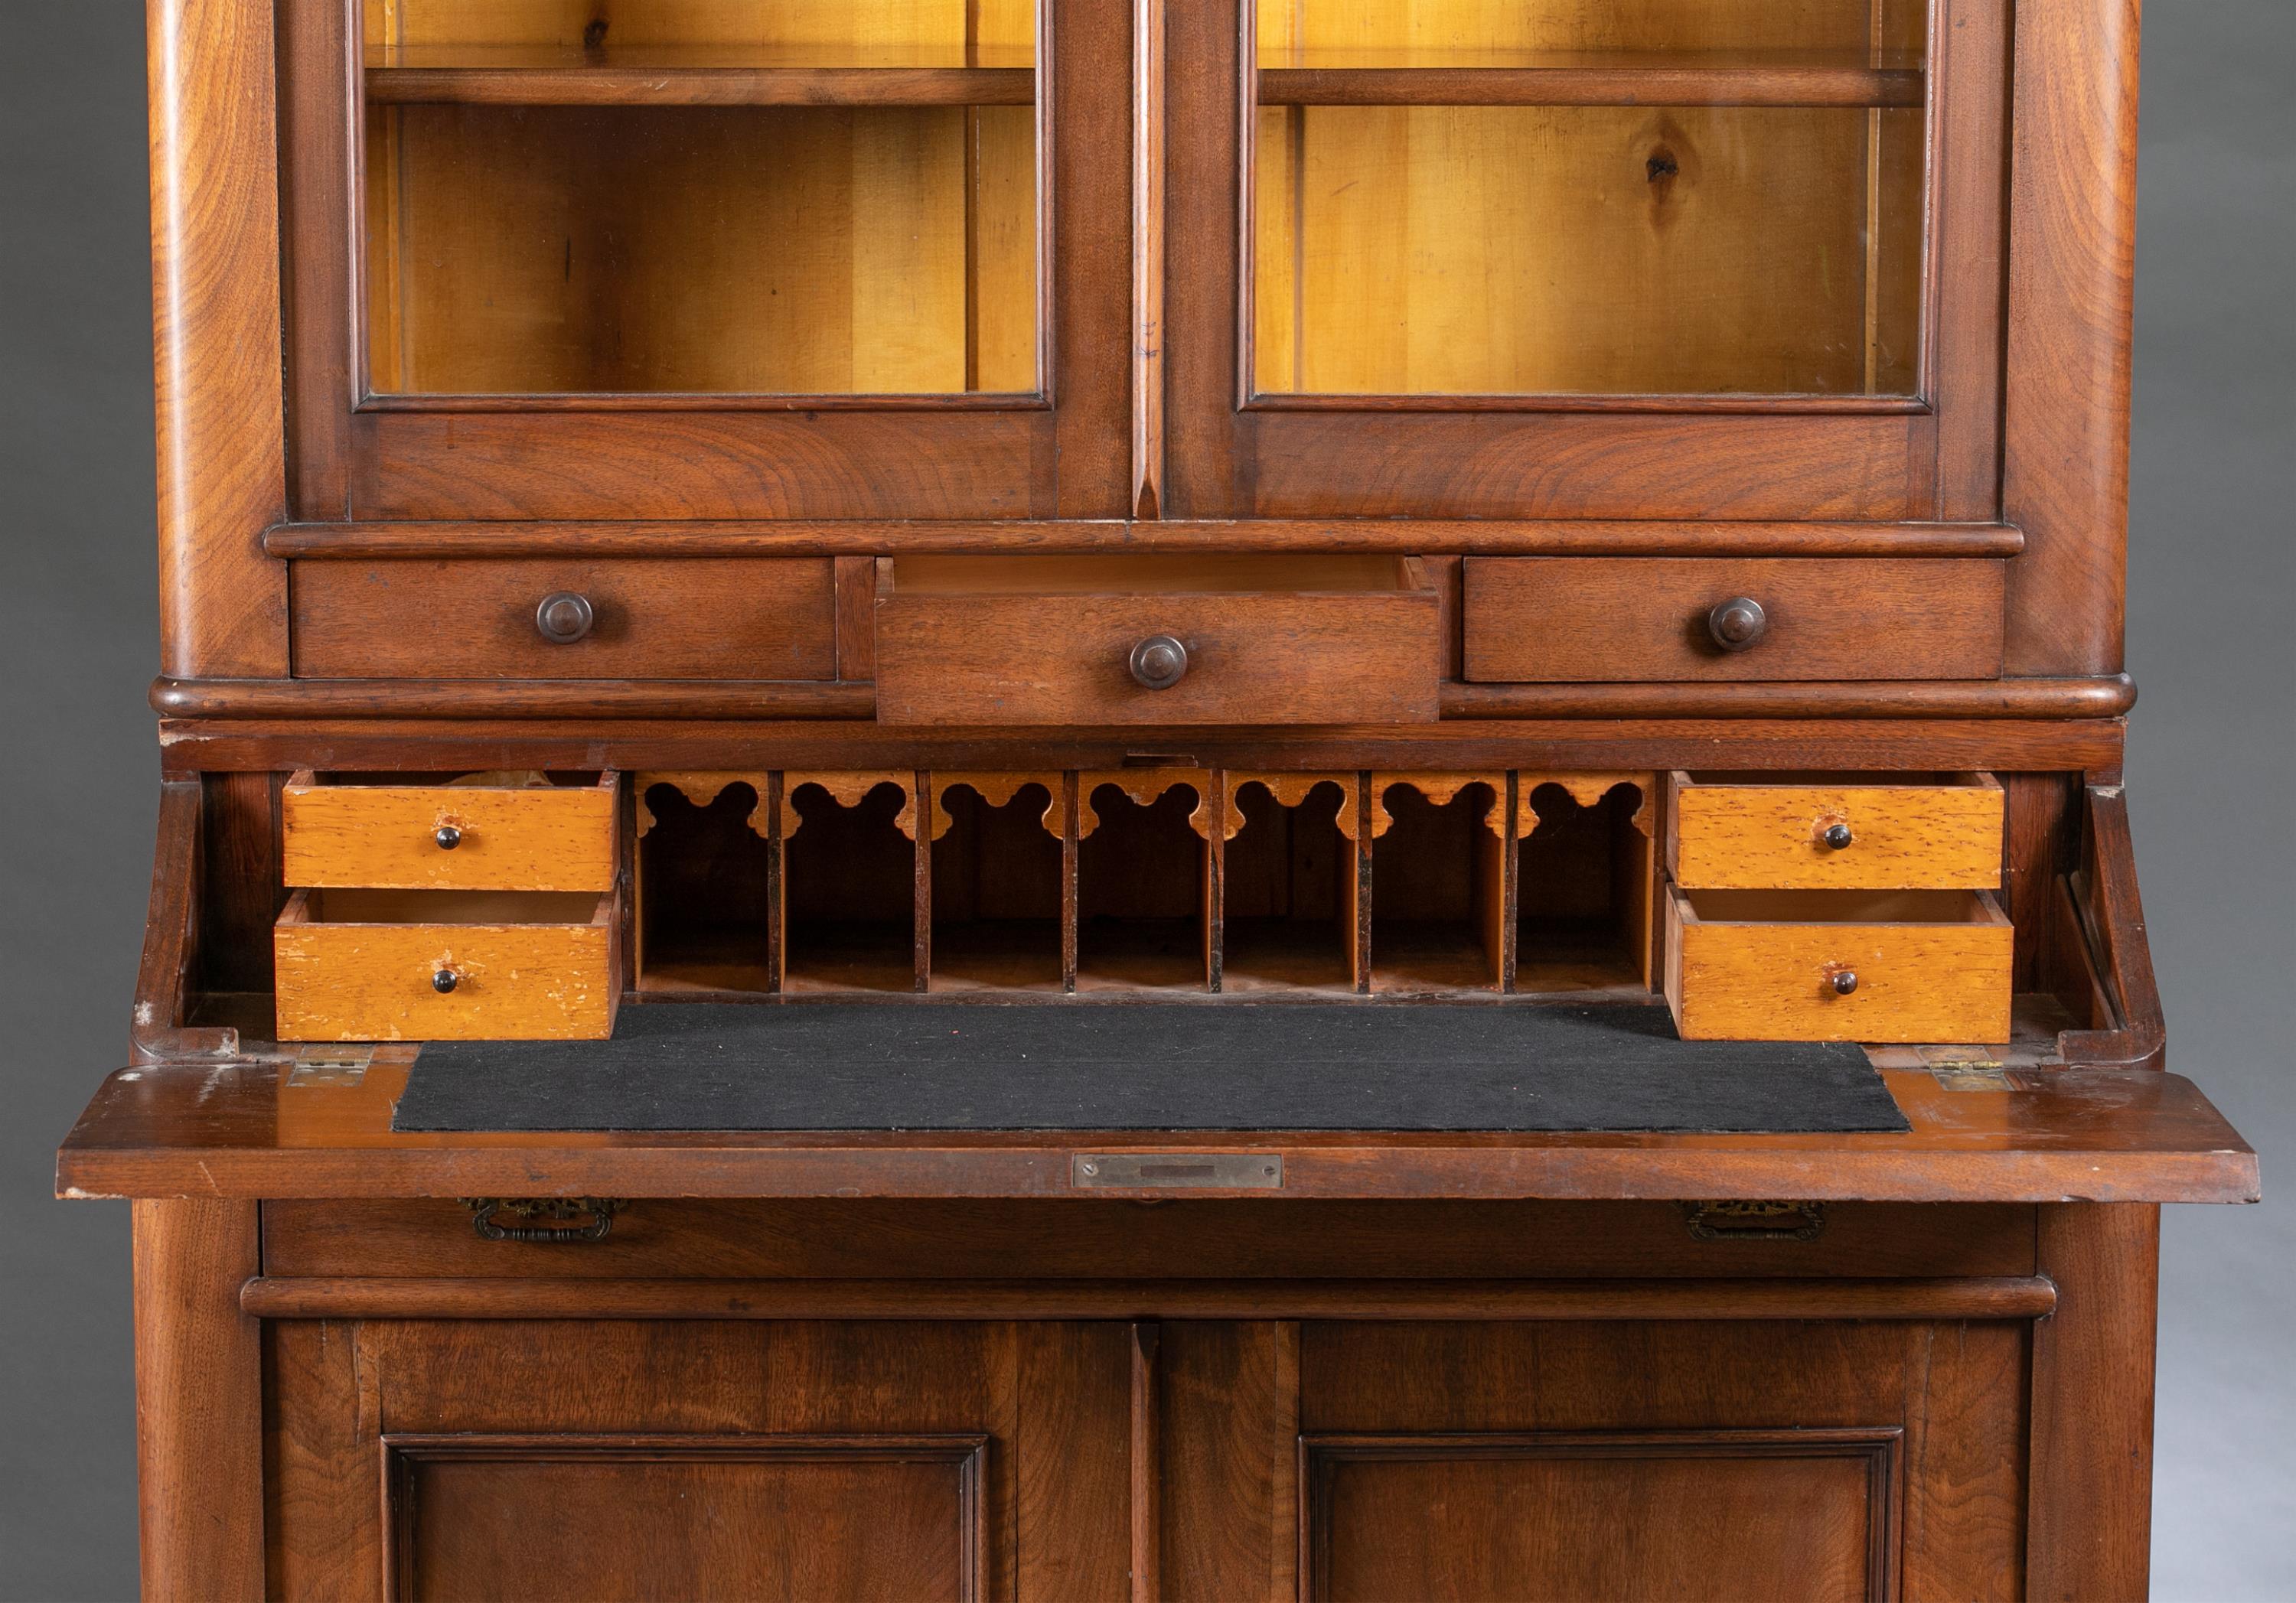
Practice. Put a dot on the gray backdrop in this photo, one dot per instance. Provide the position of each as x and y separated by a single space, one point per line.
2212 764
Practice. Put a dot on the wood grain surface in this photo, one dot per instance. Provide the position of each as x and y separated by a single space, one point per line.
668 619
1594 620
531 837
529 966
1760 966
1739 836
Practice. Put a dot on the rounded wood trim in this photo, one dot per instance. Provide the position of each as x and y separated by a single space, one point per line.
1994 1297
1409 537
2108 698
591 699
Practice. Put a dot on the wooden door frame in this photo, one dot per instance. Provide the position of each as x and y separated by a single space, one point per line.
1730 458
1062 453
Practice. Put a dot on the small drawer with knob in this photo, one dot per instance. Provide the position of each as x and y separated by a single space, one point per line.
439 965
1798 831
485 831
1156 640
732 618
1877 967
1652 620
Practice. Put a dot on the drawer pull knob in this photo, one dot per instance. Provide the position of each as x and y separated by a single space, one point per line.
1160 662
1738 623
564 618
447 837
1844 981
444 982
1838 837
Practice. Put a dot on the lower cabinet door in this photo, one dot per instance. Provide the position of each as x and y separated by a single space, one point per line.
699 1460
1705 1461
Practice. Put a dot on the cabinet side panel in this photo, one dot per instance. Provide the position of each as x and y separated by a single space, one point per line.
217 341
2071 261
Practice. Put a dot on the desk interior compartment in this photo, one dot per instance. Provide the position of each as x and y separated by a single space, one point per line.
1291 883
1583 884
999 881
1144 888
705 878
849 881
1438 882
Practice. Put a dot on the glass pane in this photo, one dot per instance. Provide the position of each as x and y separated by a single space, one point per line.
1689 197
807 197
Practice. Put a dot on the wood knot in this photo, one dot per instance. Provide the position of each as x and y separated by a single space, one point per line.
1661 165
593 36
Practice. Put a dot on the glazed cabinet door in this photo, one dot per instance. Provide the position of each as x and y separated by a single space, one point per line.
1690 258
706 258
1812 1461
698 1459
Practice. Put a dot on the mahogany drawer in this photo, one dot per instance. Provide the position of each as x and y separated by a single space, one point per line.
1156 640
502 835
1750 832
394 965
1615 620
1868 966
541 617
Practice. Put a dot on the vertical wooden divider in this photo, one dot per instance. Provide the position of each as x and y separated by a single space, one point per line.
1511 881
777 891
1355 888
1068 854
921 787
1147 500
1146 1462
1215 883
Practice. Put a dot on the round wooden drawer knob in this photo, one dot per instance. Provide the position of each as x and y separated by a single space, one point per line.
564 618
1160 662
445 981
1838 838
1844 982
1738 623
447 837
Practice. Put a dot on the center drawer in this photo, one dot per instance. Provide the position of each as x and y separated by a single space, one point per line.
1156 640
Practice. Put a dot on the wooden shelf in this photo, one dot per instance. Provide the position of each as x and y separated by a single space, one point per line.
728 76
1584 78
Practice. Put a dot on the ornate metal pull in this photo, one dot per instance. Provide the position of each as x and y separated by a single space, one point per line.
1754 1221
542 1219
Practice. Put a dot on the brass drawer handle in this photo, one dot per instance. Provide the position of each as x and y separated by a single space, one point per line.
543 1220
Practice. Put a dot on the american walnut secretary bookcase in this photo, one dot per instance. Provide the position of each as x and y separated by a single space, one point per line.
1121 799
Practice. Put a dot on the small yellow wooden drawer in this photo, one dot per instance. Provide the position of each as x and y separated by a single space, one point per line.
396 965
502 832
1869 966
1793 832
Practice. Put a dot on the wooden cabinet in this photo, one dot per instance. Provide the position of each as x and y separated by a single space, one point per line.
1140 509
